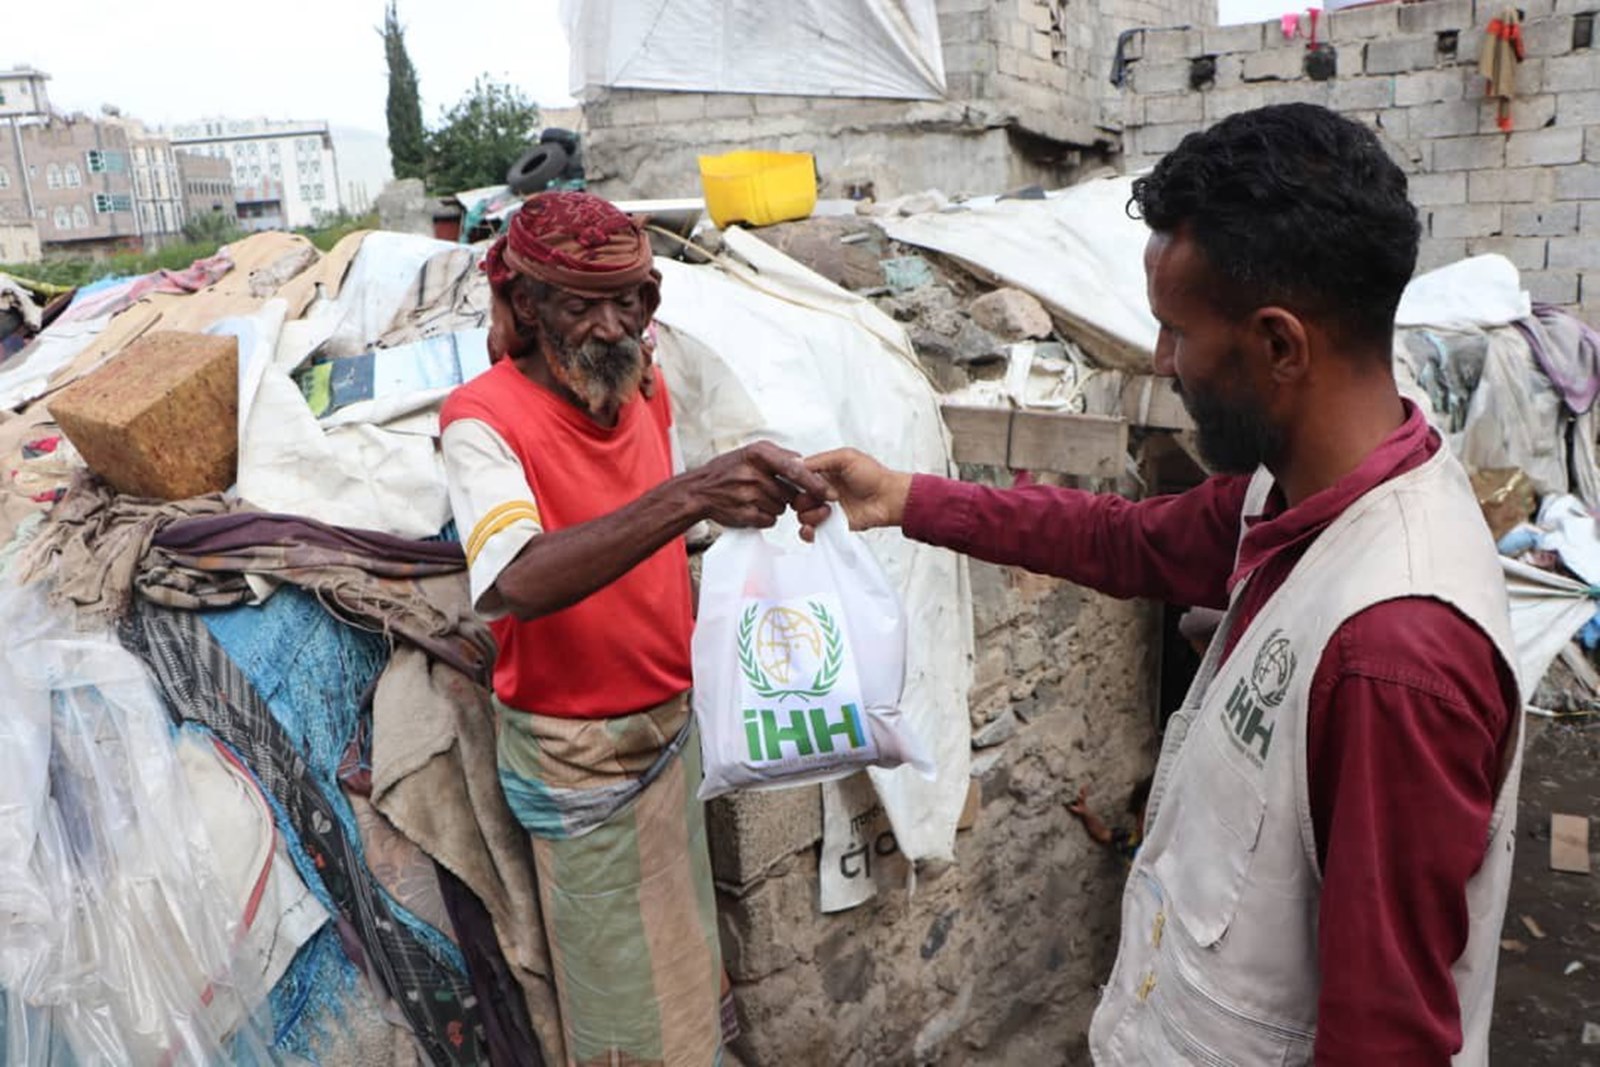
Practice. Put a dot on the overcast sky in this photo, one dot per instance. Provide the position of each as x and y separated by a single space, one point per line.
302 59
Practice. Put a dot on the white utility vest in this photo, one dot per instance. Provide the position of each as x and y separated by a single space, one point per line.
1218 960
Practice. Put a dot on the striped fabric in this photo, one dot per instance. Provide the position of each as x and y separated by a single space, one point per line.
499 518
619 843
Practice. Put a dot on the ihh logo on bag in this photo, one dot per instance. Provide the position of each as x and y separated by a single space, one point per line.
802 698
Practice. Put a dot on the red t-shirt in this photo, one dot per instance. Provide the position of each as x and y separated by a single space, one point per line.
1410 717
626 647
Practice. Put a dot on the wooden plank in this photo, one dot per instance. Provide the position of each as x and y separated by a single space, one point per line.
1569 843
1145 400
1087 445
978 434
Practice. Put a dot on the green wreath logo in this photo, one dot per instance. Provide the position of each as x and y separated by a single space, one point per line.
779 629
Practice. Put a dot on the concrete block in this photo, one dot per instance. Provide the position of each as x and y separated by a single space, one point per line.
1436 15
775 104
970 26
1159 140
1399 55
1548 36
1468 153
1527 253
1552 286
1523 185
161 418
1429 86
1569 74
1353 24
1578 182
729 106
1527 113
1224 102
1362 94
1277 65
1444 118
750 832
1178 107
1429 190
1229 72
1039 46
1485 10
1578 109
1467 220
1589 218
1160 77
1395 124
635 109
681 107
1540 220
971 57
1591 145
1544 148
1303 91
1439 252
1219 40
1579 252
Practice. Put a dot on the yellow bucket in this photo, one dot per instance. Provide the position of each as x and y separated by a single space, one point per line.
759 188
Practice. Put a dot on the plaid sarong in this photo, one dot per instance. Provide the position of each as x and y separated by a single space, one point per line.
619 843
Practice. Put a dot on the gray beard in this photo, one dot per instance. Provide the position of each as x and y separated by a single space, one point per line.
603 374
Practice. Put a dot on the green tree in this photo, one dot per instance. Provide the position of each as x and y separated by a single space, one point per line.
211 228
480 137
408 141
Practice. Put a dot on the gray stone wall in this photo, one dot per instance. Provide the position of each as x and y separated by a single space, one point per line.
998 958
1410 71
1026 102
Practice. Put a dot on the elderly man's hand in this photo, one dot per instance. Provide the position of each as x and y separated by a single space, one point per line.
752 486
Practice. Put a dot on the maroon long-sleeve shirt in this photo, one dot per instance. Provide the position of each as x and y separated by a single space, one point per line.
1409 721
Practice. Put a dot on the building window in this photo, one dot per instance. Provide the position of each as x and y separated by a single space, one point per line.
105 203
80 217
53 176
73 175
63 219
102 162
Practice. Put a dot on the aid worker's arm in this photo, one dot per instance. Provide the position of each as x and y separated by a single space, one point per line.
1174 548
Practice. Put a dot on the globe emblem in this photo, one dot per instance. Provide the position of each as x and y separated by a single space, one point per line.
1273 668
788 646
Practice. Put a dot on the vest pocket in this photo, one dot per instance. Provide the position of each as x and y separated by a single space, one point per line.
1215 812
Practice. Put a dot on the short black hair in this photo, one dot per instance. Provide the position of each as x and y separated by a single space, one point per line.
1296 206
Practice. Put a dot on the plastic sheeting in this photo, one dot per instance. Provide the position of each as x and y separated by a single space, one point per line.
1077 251
878 48
117 931
1547 610
780 353
1479 292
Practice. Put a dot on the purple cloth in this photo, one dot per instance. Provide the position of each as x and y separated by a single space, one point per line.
1568 351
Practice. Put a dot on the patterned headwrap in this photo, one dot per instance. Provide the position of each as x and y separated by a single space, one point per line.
575 242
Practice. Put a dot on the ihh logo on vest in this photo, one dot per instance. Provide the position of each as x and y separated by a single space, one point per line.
1253 704
802 696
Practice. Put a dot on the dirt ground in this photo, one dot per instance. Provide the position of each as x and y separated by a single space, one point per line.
1540 1009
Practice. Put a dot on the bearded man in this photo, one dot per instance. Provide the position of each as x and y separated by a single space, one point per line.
562 479
1329 833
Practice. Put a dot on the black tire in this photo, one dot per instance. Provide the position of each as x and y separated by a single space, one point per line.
537 168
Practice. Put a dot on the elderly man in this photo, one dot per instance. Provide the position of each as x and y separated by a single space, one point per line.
561 479
1329 834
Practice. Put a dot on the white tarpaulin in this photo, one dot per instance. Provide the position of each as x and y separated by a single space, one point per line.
780 353
1077 251
1483 291
1547 610
880 48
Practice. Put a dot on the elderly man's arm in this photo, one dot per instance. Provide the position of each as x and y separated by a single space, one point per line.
554 570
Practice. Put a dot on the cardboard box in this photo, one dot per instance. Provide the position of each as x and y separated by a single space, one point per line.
161 418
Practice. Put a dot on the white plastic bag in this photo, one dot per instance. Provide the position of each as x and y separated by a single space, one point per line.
799 659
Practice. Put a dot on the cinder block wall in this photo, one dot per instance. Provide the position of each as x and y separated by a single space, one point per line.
1025 102
1411 72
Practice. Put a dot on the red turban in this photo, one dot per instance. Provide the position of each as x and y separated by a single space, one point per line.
576 242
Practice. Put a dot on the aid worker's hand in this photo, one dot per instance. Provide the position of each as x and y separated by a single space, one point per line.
871 494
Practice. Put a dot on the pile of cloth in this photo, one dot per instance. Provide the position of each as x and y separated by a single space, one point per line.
252 810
